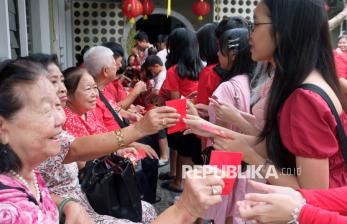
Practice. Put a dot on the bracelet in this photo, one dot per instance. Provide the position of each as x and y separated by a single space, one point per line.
296 212
265 165
61 206
120 138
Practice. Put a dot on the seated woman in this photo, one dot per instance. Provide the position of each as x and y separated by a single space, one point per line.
30 132
56 175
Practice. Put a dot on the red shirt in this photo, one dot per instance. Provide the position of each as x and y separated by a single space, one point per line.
209 80
308 129
116 90
78 127
341 64
103 114
173 83
324 206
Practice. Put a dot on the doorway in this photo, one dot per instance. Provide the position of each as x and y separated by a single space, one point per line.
158 24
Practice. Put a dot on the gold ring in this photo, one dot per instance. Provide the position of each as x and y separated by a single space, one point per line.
163 122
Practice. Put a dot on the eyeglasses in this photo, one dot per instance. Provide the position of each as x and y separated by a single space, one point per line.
251 25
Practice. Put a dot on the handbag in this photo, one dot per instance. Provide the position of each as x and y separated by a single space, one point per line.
339 127
110 186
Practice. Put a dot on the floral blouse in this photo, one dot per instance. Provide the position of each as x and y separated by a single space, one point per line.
15 206
62 180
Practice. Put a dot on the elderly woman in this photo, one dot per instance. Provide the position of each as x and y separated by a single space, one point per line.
102 65
81 121
61 178
31 132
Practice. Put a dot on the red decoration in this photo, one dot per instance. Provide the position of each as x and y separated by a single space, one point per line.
148 8
132 9
201 8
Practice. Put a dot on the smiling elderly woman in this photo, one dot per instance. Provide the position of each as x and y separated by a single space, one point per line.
31 121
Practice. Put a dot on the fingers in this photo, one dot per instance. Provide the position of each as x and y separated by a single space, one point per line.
214 102
164 109
263 187
192 117
152 154
188 132
268 198
171 122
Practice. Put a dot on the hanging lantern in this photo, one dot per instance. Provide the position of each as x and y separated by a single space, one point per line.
148 8
132 9
201 8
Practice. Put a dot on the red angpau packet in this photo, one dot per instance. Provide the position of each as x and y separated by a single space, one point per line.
229 163
181 107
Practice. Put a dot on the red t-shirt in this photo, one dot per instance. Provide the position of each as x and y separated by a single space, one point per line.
173 83
324 206
209 80
103 114
308 129
78 127
116 90
341 64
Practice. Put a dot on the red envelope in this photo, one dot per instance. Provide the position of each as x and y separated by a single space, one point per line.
231 162
181 107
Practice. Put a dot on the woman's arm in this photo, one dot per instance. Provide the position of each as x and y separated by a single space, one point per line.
314 215
313 173
139 88
94 146
343 85
328 199
73 211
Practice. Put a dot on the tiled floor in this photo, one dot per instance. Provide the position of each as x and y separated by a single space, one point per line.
167 197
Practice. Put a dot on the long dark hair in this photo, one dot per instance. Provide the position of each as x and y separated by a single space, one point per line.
301 32
208 43
184 52
236 40
12 75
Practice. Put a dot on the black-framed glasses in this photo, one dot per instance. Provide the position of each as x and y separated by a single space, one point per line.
252 25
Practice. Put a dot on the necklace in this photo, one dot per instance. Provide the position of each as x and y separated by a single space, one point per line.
21 179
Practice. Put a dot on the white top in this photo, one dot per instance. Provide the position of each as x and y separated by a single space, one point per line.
159 80
162 55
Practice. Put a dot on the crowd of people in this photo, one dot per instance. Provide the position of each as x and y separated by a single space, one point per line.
273 89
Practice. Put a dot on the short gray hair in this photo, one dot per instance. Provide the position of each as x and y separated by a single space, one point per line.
96 58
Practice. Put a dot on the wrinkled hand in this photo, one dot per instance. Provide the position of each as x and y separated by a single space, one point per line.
136 109
124 151
194 125
276 205
140 87
76 214
148 149
225 112
202 110
157 119
197 195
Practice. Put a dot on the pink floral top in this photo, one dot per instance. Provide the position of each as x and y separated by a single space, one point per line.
16 208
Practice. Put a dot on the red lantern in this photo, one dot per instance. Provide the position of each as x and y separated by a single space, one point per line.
148 8
201 8
132 9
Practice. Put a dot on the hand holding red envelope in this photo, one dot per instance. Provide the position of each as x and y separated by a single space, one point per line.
181 107
229 162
